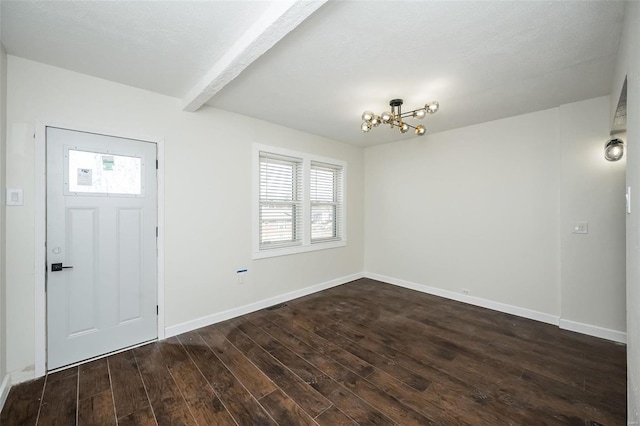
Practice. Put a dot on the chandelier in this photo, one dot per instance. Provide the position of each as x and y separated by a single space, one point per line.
396 117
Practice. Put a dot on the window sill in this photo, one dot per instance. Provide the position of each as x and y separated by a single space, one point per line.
263 254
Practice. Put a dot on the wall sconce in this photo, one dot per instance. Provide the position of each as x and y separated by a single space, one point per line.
613 149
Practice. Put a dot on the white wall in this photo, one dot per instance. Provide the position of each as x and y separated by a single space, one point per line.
479 208
3 144
473 208
592 190
628 65
207 196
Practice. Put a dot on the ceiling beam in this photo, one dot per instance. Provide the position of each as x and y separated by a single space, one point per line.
279 20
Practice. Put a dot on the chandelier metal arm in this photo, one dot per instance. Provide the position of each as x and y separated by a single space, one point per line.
413 127
409 113
400 123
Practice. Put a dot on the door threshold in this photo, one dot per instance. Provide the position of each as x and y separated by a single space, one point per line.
75 364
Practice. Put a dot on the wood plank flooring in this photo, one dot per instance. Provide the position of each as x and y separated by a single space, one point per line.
363 353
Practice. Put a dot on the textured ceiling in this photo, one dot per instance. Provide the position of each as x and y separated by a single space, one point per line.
482 60
162 46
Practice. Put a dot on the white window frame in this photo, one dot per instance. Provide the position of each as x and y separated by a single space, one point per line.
306 245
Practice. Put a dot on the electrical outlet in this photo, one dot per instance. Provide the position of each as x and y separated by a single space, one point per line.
241 274
465 291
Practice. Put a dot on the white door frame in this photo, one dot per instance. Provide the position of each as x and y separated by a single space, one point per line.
40 203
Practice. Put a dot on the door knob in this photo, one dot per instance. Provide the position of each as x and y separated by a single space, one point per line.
55 267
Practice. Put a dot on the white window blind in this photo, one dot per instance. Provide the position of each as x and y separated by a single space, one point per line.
326 201
280 210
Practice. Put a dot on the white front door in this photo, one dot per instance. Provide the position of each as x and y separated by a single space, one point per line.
101 244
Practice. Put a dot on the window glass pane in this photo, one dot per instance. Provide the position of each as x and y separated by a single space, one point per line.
100 173
278 180
277 224
323 185
323 219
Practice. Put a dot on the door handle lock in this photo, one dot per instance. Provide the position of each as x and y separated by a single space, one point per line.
55 267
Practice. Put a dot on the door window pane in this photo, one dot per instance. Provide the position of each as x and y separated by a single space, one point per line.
100 173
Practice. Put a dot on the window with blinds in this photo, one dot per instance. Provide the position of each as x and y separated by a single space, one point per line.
299 202
280 213
326 201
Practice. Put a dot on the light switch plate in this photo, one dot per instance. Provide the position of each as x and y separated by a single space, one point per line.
14 197
581 228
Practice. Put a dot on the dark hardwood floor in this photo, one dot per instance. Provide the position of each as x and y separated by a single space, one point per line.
363 353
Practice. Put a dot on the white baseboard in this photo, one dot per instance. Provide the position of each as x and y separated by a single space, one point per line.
5 386
21 376
11 379
256 306
477 301
592 330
